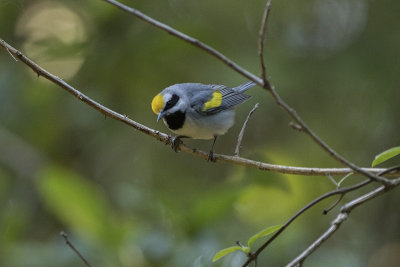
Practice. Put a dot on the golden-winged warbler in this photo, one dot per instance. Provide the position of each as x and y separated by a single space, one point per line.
199 111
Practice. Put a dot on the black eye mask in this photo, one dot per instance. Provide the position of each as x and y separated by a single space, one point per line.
172 102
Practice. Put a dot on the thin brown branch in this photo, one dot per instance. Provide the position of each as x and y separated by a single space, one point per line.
11 54
261 40
188 39
341 217
167 139
341 192
65 236
240 136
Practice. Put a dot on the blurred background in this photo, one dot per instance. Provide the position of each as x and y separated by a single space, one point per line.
126 199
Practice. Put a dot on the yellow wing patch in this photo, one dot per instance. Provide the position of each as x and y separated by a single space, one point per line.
214 102
157 104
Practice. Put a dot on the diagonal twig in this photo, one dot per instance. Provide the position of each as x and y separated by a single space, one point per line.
333 181
334 204
65 236
240 136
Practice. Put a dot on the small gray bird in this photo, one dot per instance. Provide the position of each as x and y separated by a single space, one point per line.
199 111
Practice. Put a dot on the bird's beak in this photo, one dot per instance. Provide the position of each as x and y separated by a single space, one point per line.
160 115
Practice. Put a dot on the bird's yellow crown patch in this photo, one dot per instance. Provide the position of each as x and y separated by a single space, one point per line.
157 104
214 102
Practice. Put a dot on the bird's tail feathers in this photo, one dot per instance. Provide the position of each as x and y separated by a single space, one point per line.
244 87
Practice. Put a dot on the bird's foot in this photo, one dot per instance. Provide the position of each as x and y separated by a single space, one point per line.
211 157
175 143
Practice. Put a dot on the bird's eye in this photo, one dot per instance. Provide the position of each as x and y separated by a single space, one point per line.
172 102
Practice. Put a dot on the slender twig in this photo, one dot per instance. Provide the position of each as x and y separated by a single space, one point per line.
65 236
337 184
261 40
341 217
11 54
188 39
167 139
341 191
240 136
344 178
333 181
334 204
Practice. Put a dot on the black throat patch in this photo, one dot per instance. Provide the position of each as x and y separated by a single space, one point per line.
175 120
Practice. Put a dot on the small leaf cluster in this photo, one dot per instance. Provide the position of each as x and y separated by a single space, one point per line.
247 249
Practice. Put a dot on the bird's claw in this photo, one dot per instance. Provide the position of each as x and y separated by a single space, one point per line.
211 157
175 143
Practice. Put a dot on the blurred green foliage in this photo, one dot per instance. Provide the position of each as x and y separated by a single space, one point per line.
128 200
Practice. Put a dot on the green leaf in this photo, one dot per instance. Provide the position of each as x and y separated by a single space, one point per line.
265 232
344 178
226 251
385 155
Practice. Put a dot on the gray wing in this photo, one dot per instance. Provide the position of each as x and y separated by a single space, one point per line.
230 99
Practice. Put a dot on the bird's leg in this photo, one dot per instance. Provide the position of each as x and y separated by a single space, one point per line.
211 154
176 141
